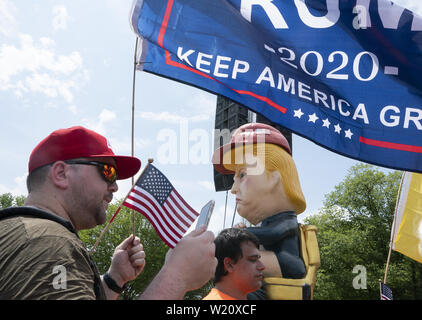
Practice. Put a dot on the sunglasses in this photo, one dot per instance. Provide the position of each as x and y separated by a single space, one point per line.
107 171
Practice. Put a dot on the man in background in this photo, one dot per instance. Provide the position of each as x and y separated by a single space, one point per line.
239 268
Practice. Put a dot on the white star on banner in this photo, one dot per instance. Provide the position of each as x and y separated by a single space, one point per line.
337 128
298 113
313 118
348 134
326 123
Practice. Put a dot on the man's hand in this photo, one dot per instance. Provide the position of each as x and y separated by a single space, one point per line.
194 258
187 267
128 261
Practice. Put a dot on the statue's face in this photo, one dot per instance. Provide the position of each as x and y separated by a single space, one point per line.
252 188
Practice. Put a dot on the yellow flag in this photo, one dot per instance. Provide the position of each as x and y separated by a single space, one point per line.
407 228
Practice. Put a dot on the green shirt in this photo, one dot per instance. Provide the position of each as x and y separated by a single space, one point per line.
42 257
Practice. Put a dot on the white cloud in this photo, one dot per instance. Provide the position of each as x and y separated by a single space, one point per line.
100 123
40 69
124 147
204 103
50 86
60 18
74 109
120 10
143 143
106 116
19 188
200 107
8 24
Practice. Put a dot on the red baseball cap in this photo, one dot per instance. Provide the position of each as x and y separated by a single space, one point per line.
79 142
249 133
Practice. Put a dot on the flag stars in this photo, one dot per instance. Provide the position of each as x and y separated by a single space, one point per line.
298 113
337 128
313 118
326 123
348 134
156 184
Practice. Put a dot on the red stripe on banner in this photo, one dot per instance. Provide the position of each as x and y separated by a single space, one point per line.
160 41
265 99
164 24
179 197
160 213
254 95
152 223
185 67
390 145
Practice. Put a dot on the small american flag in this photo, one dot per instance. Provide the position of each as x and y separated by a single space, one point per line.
386 293
155 197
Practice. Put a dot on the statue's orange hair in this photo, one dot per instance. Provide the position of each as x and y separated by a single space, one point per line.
275 159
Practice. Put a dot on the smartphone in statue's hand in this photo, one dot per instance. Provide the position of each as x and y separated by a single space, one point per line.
205 215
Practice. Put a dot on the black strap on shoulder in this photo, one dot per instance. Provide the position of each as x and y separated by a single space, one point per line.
35 213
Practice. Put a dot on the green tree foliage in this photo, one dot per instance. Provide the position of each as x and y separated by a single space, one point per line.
8 200
354 230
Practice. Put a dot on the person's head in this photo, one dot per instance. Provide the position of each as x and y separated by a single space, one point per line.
238 256
266 177
76 169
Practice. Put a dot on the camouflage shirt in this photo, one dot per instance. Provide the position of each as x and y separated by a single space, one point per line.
42 257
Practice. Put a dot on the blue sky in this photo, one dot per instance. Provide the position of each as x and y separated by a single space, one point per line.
66 63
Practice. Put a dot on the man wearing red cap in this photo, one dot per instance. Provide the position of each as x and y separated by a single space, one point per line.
71 181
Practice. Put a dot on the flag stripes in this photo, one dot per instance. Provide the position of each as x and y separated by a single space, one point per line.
141 195
154 197
168 240
386 293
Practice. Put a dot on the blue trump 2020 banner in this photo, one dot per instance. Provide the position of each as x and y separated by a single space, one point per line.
342 73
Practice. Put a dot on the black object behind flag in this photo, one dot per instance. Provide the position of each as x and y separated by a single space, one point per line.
155 197
386 293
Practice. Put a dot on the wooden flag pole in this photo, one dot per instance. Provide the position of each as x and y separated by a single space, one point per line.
135 63
392 232
150 160
387 265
